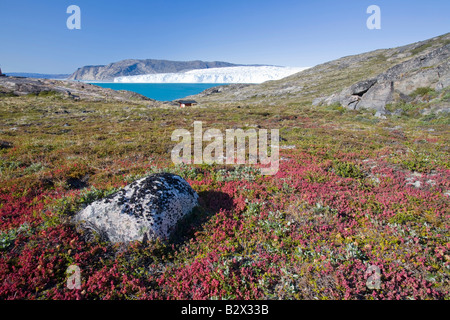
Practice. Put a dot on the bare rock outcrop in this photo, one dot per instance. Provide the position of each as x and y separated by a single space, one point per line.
429 70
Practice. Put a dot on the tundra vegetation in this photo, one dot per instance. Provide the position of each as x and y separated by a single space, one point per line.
352 191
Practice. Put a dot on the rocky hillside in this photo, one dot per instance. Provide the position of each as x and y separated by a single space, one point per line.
430 70
133 67
369 80
18 86
38 75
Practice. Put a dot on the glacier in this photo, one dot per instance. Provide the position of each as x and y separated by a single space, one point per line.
246 74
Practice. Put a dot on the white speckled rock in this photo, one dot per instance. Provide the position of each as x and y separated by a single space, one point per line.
148 208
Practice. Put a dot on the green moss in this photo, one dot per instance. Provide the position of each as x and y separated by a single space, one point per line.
348 170
422 91
7 238
404 218
418 163
48 94
7 94
421 48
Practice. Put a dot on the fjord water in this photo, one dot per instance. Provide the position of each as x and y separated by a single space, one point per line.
161 91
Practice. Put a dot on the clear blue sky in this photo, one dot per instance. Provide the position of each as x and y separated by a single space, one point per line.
34 36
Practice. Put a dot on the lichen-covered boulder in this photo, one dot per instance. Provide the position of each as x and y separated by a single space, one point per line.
148 208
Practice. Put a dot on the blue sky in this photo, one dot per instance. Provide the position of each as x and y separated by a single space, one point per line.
34 36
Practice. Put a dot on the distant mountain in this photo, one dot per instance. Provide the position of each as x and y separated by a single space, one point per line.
134 67
38 75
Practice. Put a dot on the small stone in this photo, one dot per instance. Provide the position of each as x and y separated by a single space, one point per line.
380 115
318 101
5 144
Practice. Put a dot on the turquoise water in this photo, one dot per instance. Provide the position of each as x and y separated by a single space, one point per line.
161 91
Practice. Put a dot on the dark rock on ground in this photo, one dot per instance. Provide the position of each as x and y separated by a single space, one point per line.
5 144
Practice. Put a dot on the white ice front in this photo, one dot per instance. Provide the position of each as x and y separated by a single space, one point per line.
216 75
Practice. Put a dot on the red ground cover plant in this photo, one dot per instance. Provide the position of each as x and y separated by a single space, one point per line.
309 232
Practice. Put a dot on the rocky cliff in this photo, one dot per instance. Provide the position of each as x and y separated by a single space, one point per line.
133 67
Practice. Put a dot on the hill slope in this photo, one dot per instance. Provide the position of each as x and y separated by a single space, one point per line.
329 78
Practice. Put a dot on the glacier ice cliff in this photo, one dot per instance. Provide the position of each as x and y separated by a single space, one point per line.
247 74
